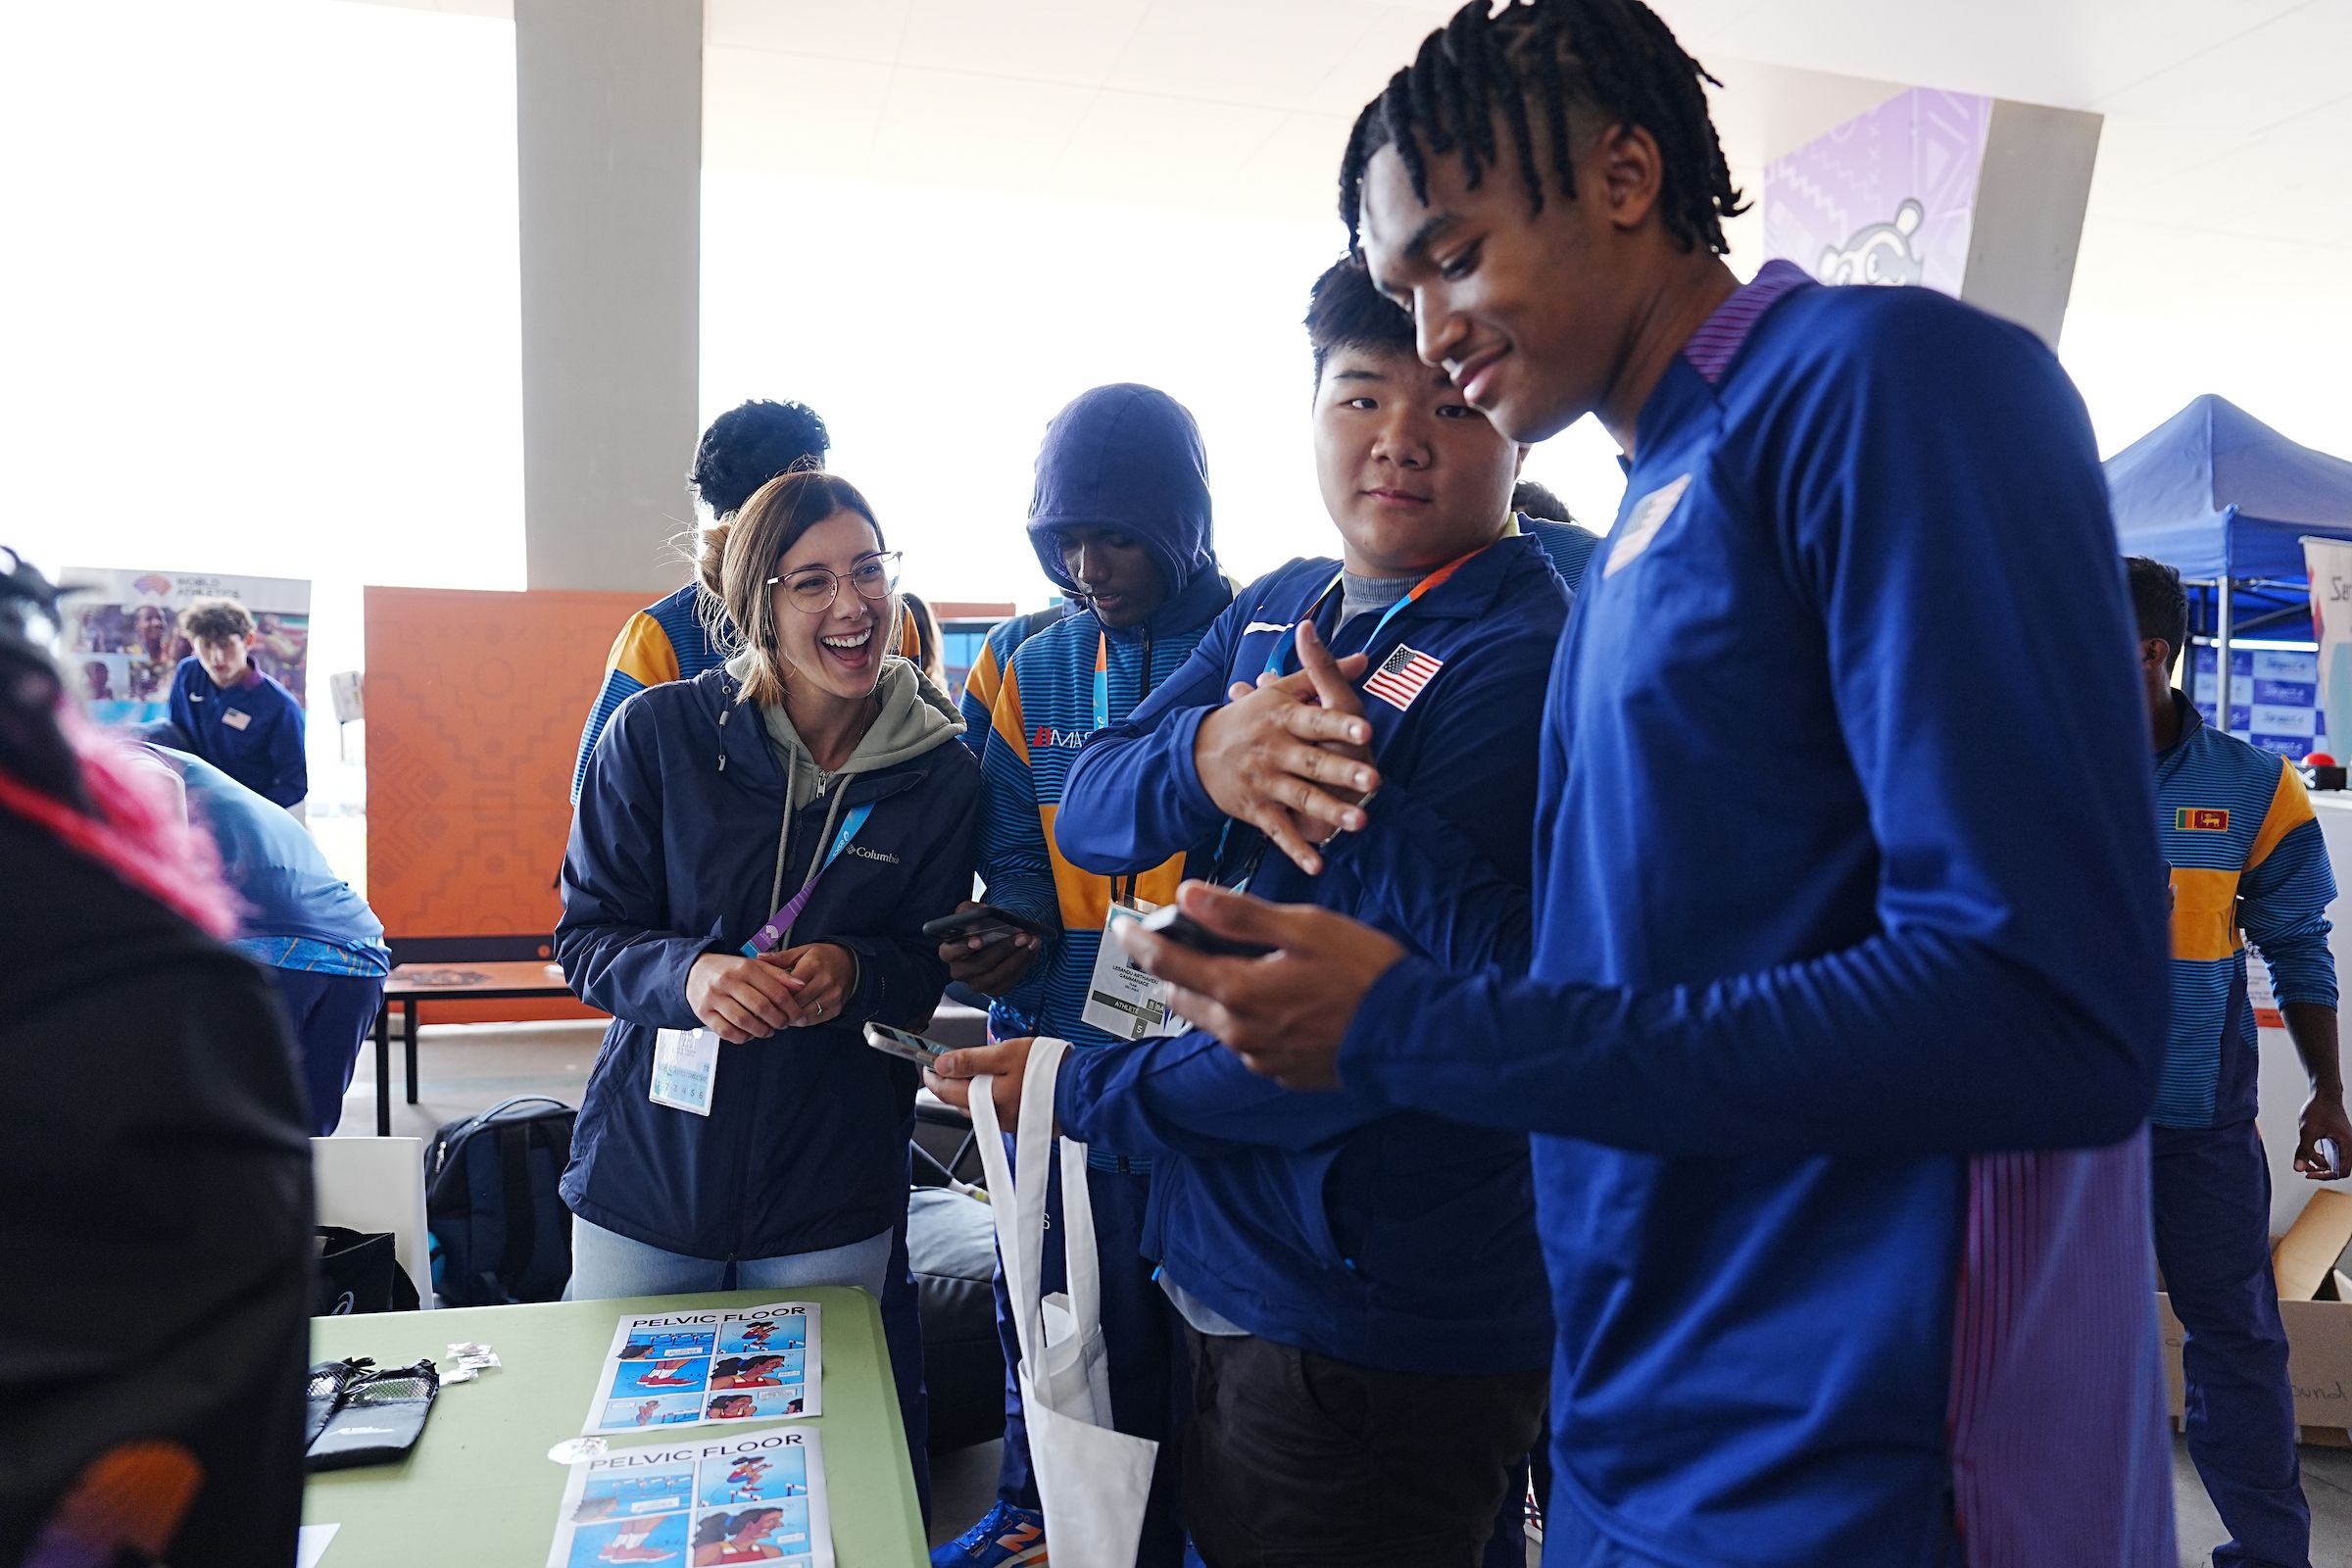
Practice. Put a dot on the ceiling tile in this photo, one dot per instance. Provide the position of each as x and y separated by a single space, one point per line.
2329 124
1392 36
2137 154
2289 65
941 119
1142 126
762 110
1038 40
857 29
1305 141
1272 53
2069 53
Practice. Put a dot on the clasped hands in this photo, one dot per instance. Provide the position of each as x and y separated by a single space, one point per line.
742 999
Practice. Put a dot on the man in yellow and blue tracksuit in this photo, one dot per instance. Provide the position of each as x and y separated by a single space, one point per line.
2246 854
1120 522
684 633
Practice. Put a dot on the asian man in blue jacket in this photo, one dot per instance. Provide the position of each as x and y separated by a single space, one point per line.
1359 1283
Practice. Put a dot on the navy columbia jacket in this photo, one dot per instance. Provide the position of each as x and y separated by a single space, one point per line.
674 855
1389 1238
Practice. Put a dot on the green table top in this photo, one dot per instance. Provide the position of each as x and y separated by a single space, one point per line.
479 1481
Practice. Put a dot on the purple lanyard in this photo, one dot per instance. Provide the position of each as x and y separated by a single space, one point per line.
780 922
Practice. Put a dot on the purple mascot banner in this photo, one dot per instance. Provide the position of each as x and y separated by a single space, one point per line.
1887 197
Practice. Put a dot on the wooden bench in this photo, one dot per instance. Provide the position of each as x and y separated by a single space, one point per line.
412 985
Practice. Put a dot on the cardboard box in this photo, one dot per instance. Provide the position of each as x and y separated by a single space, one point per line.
2315 1304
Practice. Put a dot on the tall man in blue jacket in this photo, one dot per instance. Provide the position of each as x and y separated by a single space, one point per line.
1847 1002
1120 521
2247 857
1358 1281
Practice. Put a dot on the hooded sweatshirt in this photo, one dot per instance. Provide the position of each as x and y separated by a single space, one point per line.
1120 457
698 816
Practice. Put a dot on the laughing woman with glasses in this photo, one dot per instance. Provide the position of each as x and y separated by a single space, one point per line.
754 856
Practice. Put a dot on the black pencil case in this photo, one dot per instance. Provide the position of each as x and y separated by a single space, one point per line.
380 1419
328 1380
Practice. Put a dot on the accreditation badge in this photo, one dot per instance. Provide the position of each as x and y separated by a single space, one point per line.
1121 1000
685 1069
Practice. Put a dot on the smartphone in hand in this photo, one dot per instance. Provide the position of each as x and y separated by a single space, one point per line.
985 922
1170 922
905 1046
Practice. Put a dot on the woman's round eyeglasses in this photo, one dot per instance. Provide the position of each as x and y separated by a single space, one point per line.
814 588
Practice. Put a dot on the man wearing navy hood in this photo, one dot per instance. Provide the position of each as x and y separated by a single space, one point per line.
1120 521
1361 1292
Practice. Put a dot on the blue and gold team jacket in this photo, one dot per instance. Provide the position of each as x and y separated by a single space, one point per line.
2247 857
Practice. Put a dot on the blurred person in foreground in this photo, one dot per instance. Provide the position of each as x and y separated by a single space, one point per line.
157 1164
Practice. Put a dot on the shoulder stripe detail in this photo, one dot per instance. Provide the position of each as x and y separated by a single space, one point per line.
644 652
1720 337
2290 809
1005 716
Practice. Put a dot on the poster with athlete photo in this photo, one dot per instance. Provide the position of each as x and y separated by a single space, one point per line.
757 1497
683 1369
120 641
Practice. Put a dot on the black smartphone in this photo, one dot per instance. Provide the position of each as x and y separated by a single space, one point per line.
1168 921
987 922
906 1047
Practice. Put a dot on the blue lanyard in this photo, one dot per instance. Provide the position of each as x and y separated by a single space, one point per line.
1103 681
781 921
1288 643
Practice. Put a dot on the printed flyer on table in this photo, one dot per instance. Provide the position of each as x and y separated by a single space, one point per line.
684 1369
756 1497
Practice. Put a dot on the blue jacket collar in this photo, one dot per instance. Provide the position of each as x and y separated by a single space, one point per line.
2191 722
1466 595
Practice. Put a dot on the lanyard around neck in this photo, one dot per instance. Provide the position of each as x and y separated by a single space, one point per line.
1101 682
1287 645
1276 665
781 921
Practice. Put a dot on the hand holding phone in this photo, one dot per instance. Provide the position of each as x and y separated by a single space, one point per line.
986 948
905 1046
1172 923
984 921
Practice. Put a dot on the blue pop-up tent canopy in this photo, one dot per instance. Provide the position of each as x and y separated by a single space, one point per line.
2227 500
2223 497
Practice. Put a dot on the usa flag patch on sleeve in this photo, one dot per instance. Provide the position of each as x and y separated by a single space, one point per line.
1401 675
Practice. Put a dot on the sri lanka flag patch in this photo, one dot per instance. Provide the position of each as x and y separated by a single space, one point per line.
1401 675
2200 819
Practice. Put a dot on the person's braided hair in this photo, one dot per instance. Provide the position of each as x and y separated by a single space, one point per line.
1612 59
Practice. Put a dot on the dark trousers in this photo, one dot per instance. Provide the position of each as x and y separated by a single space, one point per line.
2212 1203
1506 1548
332 1014
1295 1460
1147 1369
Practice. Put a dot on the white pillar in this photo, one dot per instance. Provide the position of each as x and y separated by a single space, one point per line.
609 135
2029 217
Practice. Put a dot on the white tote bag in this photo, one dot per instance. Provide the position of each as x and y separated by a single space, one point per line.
1093 1481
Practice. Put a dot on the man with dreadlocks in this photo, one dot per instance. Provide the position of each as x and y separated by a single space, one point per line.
1846 1007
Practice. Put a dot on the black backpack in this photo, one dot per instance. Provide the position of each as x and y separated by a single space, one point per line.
501 1233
